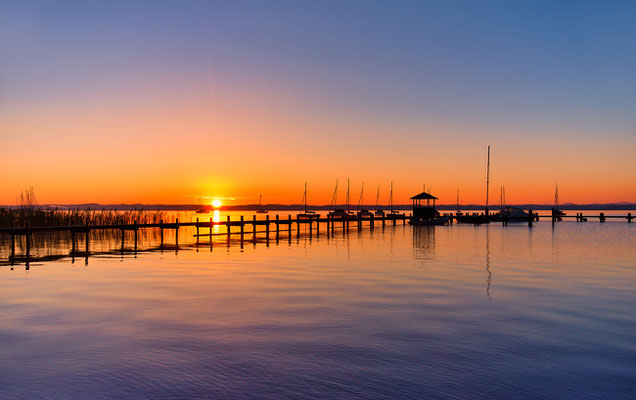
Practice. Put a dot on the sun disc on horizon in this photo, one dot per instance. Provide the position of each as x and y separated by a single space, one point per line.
216 203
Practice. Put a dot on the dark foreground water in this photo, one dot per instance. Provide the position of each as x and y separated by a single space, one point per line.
401 312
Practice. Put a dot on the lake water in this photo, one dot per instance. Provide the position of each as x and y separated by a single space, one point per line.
395 312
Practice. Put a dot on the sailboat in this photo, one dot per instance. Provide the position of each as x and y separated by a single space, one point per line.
477 219
307 214
201 209
555 210
378 212
261 209
508 213
391 210
361 211
340 212
459 212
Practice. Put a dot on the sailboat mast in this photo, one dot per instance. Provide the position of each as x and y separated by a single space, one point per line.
457 200
377 199
305 198
334 198
348 194
391 198
360 199
487 179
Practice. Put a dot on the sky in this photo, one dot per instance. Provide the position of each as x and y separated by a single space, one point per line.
169 101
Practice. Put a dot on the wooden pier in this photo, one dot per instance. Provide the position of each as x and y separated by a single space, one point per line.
268 229
276 226
579 217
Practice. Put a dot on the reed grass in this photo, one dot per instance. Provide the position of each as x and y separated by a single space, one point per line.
56 217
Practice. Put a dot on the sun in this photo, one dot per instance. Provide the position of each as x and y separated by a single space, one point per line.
216 203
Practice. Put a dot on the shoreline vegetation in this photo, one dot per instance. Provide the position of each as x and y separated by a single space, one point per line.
37 216
45 215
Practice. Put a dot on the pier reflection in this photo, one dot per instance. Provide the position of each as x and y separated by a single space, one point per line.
51 246
424 243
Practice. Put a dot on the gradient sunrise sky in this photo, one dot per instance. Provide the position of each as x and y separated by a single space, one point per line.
166 101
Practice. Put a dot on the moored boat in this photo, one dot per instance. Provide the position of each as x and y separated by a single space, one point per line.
307 214
511 214
261 209
201 209
361 211
340 212
475 218
378 211
556 213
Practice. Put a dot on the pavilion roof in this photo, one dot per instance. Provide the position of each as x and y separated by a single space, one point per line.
423 196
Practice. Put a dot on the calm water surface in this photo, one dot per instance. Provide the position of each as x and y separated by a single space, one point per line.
400 312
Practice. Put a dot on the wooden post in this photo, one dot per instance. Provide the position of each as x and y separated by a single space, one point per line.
87 238
123 236
394 217
359 221
383 220
289 225
602 217
161 233
629 217
176 234
318 227
332 224
530 217
197 232
289 229
211 231
553 216
311 222
254 228
277 227
12 247
267 228
241 227
227 226
136 229
371 221
297 226
28 240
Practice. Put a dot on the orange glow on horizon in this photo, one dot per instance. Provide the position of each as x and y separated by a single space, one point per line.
191 148
216 203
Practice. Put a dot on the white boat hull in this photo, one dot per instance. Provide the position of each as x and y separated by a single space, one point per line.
433 221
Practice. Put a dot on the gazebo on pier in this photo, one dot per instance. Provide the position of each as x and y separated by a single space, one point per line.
424 206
